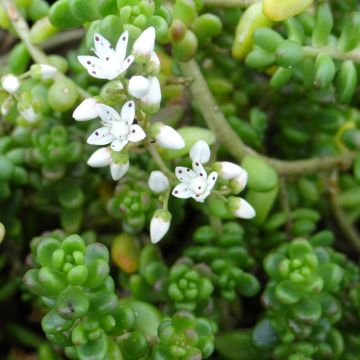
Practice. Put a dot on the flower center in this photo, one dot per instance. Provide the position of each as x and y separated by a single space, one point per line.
119 130
197 185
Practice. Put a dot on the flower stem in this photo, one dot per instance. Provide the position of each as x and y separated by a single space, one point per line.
236 147
230 3
22 29
159 161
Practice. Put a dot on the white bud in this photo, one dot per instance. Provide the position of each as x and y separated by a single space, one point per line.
28 113
87 110
200 152
158 182
118 170
138 86
151 101
10 83
144 44
238 184
2 232
228 170
100 158
155 59
43 71
167 137
159 225
240 208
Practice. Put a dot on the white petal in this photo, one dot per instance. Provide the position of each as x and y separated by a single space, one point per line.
138 86
169 138
118 170
100 136
127 62
136 133
100 158
199 170
144 44
158 228
244 210
102 47
200 152
181 191
211 180
184 174
128 112
10 83
107 114
158 182
94 66
118 145
202 197
153 97
121 46
86 110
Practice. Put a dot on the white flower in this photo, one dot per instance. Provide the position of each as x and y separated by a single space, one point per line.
166 136
228 170
87 110
102 157
158 182
200 152
108 63
159 225
117 129
10 83
138 86
194 183
145 43
43 71
240 208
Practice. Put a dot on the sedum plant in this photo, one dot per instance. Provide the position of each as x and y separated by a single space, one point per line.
179 180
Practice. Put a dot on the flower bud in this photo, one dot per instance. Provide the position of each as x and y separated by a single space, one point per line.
151 101
100 158
159 225
87 110
42 71
238 184
240 208
166 136
27 111
118 170
119 164
138 86
228 170
10 83
200 152
144 44
158 182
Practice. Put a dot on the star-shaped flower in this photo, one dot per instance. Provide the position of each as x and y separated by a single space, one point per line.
194 183
118 129
108 63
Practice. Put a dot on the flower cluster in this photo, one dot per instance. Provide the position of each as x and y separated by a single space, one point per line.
197 184
118 129
11 85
